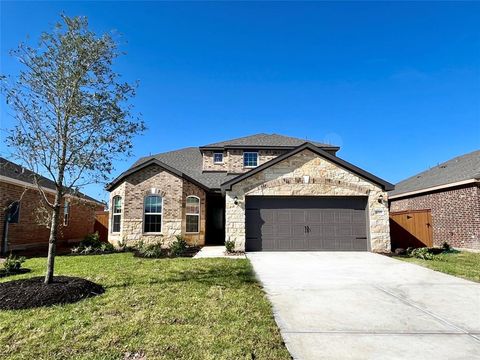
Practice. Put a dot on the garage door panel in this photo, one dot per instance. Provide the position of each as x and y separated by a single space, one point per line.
306 223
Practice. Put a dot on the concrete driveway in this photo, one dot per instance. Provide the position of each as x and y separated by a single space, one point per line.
368 306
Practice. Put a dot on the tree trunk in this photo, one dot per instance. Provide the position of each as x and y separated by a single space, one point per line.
53 238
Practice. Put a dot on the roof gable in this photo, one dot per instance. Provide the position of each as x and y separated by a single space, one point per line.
308 146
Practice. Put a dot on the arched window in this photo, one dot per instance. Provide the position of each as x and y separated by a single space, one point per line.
192 211
116 213
152 210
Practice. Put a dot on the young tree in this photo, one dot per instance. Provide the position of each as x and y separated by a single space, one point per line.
74 116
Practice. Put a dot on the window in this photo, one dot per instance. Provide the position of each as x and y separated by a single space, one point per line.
152 219
13 211
192 211
250 159
218 158
117 213
66 212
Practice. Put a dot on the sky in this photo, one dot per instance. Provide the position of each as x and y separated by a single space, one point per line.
396 85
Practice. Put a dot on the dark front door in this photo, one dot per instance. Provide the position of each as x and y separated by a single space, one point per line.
306 223
215 232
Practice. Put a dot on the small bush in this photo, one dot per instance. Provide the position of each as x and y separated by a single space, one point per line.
154 250
422 253
12 264
230 246
92 240
179 246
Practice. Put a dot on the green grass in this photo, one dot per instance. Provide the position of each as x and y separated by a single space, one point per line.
464 264
164 308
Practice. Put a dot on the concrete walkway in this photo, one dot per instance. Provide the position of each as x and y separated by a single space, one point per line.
215 252
367 306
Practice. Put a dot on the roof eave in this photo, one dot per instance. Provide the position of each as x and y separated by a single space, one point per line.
259 147
433 188
319 151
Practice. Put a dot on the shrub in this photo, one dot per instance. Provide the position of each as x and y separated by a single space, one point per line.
179 246
154 250
13 263
92 240
230 246
422 253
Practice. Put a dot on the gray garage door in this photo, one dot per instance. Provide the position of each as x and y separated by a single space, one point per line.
306 223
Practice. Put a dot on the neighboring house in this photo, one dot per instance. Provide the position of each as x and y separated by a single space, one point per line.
449 197
263 192
22 207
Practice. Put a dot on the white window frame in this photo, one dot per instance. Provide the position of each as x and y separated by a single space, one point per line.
218 153
192 214
153 213
117 214
249 166
66 212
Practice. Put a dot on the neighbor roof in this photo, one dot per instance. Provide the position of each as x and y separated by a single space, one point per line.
17 172
457 170
265 140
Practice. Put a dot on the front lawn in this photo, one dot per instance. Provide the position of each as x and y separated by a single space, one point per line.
161 309
462 264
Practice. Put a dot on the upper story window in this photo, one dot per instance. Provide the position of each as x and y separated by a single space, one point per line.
153 210
218 158
116 213
250 159
192 211
66 212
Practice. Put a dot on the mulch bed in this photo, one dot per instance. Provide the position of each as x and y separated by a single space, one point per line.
16 272
32 292
188 253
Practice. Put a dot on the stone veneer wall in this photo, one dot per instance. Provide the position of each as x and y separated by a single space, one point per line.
155 180
233 160
325 179
455 214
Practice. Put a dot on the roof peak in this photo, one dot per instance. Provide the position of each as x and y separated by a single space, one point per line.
266 140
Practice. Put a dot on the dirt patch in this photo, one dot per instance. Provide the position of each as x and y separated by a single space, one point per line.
31 293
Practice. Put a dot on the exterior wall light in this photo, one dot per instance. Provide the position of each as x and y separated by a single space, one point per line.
235 200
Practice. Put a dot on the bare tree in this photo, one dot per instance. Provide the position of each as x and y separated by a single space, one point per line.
74 116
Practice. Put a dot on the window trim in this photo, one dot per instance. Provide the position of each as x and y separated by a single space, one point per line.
192 214
218 162
117 214
66 214
250 166
161 215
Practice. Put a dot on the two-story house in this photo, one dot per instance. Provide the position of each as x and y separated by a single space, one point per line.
264 192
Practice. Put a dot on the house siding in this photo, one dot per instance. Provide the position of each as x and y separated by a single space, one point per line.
29 233
173 189
325 179
455 214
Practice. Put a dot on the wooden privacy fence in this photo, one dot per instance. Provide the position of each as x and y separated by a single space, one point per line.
411 228
101 224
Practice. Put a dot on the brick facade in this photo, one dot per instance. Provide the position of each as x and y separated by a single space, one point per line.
173 190
324 179
28 233
455 214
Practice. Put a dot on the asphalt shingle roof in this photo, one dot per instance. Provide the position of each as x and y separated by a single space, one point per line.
190 162
266 140
461 168
17 172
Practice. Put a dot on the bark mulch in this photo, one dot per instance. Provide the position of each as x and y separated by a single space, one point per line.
32 292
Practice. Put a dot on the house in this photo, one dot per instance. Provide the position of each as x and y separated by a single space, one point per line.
441 204
23 217
262 192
